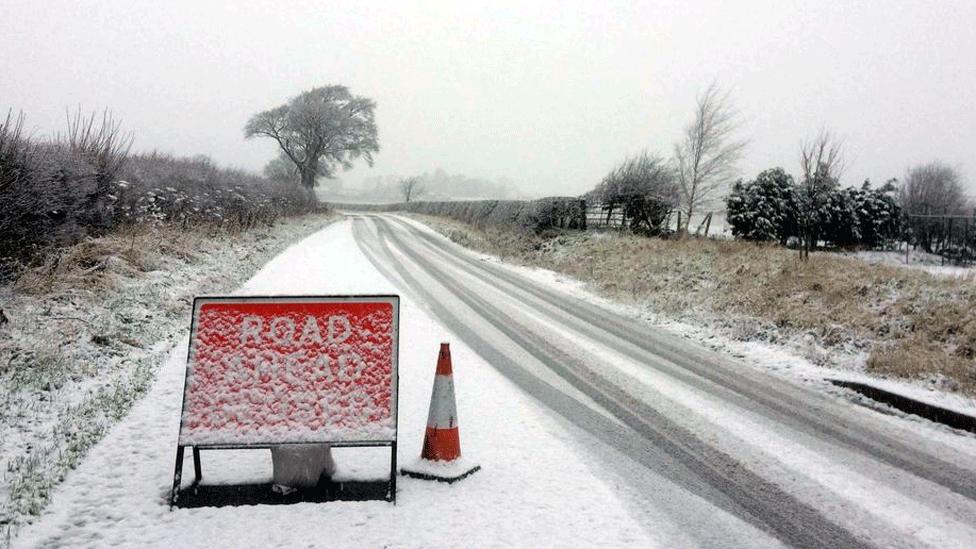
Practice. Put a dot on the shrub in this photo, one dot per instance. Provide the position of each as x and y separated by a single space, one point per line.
159 188
46 189
837 219
763 209
766 209
878 213
645 187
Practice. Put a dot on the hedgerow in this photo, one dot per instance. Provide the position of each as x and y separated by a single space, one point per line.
524 215
57 191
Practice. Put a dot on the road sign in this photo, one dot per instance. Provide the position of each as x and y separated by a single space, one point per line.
266 371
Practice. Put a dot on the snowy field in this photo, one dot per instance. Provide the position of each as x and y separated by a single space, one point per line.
930 263
535 485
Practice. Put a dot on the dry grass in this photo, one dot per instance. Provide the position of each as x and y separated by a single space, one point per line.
97 264
912 324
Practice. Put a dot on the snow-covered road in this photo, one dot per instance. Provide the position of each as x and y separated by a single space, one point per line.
592 430
536 485
805 468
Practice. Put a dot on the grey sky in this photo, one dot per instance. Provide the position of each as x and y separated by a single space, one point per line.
548 94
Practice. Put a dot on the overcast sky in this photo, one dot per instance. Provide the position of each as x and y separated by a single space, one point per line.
548 94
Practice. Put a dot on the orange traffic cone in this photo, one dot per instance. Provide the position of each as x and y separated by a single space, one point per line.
441 457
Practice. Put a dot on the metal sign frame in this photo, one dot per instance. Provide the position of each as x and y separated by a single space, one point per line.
199 301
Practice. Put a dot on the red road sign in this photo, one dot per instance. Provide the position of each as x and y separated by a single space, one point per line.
274 370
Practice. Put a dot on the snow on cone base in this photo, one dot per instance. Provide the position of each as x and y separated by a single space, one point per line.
443 471
441 456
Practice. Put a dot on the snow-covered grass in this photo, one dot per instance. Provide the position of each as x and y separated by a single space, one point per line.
87 333
837 312
930 263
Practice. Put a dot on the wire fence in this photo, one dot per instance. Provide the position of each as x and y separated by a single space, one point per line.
951 237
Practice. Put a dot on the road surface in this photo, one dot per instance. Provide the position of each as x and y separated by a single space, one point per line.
807 469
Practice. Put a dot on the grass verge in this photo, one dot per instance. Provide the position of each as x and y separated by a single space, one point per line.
88 329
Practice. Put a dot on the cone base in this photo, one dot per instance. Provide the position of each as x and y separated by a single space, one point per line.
441 471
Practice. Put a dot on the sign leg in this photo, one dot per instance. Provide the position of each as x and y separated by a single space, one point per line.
198 475
177 476
393 471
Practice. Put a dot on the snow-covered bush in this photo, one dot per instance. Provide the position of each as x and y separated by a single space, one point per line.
768 209
47 192
878 214
157 188
763 209
645 188
838 222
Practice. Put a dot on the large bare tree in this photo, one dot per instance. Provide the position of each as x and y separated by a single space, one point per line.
930 194
410 187
320 130
707 155
933 189
821 164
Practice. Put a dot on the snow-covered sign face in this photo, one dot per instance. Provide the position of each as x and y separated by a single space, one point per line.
278 370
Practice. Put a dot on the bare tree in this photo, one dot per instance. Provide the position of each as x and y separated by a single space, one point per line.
707 155
320 130
821 164
933 189
411 187
929 193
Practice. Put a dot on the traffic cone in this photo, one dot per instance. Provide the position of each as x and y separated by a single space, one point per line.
441 457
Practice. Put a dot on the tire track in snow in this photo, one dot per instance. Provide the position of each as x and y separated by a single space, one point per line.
677 482
790 405
764 503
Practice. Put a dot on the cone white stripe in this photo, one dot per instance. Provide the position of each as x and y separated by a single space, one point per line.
443 411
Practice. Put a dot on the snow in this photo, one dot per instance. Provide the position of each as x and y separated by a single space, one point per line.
301 465
77 357
543 481
440 468
930 263
778 360
705 414
317 371
536 485
871 495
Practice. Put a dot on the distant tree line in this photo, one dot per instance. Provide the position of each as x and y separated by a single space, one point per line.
436 185
524 215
